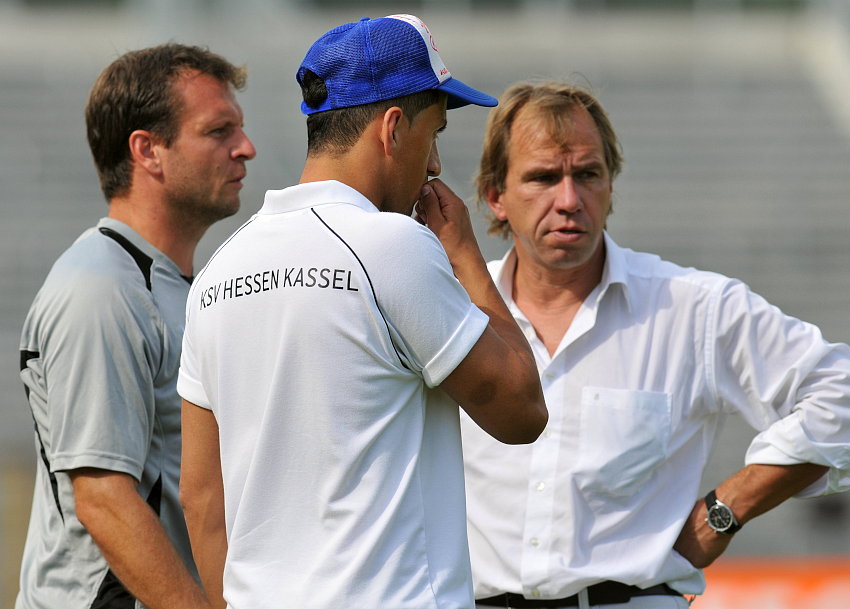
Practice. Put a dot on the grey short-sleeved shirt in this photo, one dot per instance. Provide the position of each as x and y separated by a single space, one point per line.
100 352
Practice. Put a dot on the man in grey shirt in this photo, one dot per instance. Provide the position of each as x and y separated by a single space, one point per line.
101 344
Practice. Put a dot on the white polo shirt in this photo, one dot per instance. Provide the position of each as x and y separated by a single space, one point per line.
317 335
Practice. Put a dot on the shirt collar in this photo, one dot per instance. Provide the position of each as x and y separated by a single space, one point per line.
310 194
139 242
614 272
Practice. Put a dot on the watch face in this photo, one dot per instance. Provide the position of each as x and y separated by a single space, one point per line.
720 517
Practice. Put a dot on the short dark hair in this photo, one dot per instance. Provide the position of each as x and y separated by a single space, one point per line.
136 92
336 131
554 101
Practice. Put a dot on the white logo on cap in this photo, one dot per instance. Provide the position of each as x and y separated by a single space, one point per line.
440 70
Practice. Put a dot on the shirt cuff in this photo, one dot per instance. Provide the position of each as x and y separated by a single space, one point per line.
192 391
456 348
785 443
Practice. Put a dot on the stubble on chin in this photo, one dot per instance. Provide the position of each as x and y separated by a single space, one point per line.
201 213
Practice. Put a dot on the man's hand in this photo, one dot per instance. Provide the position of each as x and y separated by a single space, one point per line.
442 211
698 542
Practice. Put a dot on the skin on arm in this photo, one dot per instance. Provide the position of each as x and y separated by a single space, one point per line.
132 540
754 490
497 383
202 496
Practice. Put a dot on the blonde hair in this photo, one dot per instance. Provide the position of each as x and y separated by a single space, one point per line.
554 102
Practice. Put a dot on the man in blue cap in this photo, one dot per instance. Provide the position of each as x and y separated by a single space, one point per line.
328 345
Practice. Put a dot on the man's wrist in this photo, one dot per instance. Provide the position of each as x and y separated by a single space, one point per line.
720 516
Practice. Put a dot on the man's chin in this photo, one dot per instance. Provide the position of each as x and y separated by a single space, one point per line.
213 212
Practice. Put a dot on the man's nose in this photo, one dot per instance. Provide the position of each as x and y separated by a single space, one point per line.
245 148
434 166
567 197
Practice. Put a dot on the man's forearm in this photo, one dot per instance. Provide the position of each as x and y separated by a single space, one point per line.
752 491
497 382
135 545
449 219
755 489
205 521
202 496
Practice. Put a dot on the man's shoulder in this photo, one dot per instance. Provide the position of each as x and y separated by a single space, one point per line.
383 232
649 266
96 268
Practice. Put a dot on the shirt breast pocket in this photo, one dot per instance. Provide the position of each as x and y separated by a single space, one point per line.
623 436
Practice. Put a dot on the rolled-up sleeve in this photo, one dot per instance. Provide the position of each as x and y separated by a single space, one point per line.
790 384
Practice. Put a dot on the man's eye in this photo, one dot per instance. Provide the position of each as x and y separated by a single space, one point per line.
545 178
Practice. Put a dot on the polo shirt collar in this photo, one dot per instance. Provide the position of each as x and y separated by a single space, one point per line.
139 242
310 194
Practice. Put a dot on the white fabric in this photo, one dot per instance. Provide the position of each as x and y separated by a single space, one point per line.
637 392
441 72
318 335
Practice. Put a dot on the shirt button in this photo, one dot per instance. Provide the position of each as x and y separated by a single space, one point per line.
535 593
535 542
540 486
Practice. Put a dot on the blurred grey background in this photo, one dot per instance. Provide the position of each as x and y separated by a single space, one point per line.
734 117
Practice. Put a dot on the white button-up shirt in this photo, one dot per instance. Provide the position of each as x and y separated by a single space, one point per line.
637 391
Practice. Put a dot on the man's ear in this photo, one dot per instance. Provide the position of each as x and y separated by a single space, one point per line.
144 150
392 124
494 201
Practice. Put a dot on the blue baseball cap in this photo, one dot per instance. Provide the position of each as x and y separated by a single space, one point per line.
376 59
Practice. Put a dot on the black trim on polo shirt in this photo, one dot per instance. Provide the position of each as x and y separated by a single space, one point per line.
143 261
371 287
26 356
112 594
155 496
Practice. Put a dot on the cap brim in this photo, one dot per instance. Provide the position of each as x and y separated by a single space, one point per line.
460 94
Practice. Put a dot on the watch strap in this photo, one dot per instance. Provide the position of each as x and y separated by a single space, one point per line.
711 500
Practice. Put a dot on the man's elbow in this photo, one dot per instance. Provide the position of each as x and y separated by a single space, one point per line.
520 412
528 424
506 402
89 512
189 502
99 495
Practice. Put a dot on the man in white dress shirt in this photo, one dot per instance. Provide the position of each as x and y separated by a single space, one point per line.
640 362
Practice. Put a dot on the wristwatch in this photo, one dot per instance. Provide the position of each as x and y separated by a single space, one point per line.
720 516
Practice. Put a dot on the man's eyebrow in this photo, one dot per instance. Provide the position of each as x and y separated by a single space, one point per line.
588 160
541 170
590 164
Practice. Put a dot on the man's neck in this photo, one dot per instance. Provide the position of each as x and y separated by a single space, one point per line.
551 298
348 170
159 227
